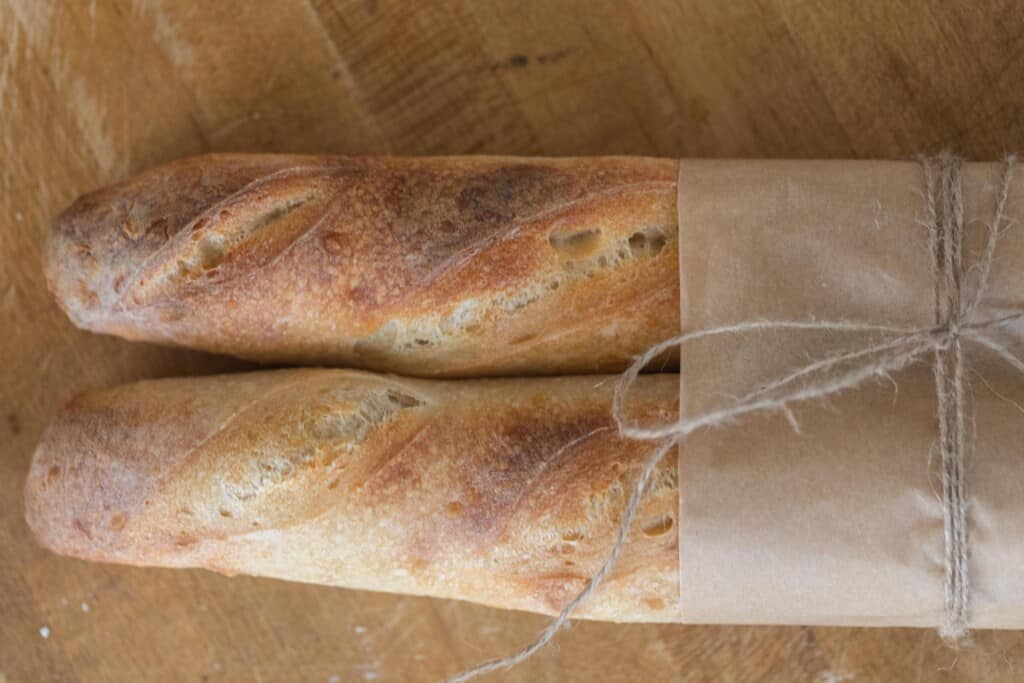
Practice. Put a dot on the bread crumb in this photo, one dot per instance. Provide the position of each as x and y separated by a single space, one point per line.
18 216
85 607
360 629
45 631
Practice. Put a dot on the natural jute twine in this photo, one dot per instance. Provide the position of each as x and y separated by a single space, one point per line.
956 303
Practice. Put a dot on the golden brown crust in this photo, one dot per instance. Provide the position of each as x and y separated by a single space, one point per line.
505 492
454 266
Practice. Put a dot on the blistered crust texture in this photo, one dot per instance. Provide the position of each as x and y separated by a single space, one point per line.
455 266
504 492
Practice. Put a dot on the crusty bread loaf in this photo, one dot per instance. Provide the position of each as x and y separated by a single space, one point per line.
504 492
459 266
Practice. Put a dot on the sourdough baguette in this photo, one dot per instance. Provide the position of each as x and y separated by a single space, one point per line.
459 266
506 492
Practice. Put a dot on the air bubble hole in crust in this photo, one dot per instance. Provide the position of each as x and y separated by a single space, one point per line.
575 243
658 526
647 242
211 253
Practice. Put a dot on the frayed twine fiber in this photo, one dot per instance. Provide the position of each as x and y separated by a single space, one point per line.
954 326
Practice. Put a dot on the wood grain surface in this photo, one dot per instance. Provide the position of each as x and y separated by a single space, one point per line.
92 91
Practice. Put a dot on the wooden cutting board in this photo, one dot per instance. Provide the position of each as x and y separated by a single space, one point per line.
91 92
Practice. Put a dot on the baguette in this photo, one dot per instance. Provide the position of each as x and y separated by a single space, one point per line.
506 492
459 266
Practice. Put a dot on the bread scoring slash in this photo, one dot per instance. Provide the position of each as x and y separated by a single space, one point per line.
454 266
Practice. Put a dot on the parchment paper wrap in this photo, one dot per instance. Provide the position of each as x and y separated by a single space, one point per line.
841 523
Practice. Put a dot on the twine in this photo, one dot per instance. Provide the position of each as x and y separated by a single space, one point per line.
954 326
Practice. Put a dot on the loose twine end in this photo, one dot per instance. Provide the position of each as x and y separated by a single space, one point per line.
954 327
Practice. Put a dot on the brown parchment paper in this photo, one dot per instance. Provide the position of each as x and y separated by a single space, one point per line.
841 523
